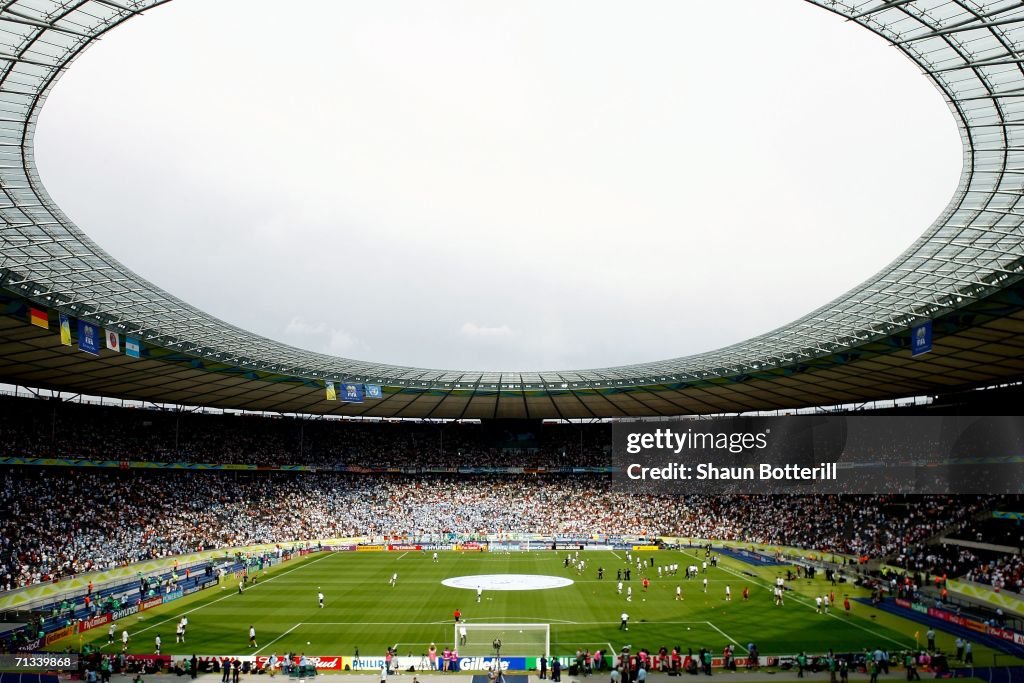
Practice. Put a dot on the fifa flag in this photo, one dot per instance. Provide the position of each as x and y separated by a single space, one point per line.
132 347
38 317
65 330
373 391
88 338
352 393
113 340
921 338
332 393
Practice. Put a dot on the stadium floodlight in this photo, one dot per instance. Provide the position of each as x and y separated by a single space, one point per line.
516 640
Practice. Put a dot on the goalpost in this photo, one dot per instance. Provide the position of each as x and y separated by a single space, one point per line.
517 640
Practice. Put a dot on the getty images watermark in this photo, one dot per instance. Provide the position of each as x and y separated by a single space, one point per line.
820 454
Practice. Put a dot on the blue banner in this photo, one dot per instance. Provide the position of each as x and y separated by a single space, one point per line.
132 347
374 391
88 338
921 338
351 393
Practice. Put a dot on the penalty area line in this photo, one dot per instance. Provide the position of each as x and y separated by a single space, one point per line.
797 598
278 638
734 641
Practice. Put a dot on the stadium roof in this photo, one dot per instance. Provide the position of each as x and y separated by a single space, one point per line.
963 272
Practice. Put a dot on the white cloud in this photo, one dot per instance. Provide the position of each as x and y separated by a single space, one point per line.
300 327
342 343
471 329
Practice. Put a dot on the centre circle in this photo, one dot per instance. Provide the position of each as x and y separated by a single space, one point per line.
507 582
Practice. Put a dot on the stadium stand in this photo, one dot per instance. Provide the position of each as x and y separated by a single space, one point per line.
60 522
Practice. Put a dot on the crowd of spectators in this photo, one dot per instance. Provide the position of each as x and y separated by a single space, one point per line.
38 428
56 522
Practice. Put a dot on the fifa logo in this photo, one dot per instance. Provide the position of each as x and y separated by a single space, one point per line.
350 390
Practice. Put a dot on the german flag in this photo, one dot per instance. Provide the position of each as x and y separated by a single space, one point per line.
38 317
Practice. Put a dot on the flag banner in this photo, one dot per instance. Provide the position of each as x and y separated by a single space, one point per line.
88 338
921 338
352 393
332 393
113 340
132 347
374 391
38 317
65 330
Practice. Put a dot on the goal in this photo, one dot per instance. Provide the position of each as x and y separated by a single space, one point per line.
517 640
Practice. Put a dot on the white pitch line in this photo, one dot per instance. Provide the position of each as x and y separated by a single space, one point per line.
401 556
796 598
278 638
229 595
616 554
734 641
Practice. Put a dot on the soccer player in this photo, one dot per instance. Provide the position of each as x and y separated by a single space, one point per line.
252 636
620 588
184 627
817 603
746 592
629 594
705 584
241 586
646 584
778 597
435 556
825 602
156 642
679 592
320 597
728 593
458 615
178 635
110 633
394 579
479 595
124 641
462 634
624 624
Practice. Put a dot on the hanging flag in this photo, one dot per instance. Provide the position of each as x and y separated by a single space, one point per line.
88 338
132 347
921 338
38 317
373 391
113 340
352 393
332 393
65 330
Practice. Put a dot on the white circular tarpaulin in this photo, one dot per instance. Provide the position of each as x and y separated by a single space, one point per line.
507 582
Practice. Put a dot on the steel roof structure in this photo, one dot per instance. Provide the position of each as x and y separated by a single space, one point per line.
967 264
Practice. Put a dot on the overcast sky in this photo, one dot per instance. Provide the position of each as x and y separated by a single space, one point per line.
499 185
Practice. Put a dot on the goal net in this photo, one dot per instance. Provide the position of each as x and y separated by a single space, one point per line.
517 640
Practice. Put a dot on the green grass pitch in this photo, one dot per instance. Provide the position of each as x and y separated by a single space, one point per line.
363 611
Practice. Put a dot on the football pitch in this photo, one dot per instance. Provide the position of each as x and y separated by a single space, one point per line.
363 612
